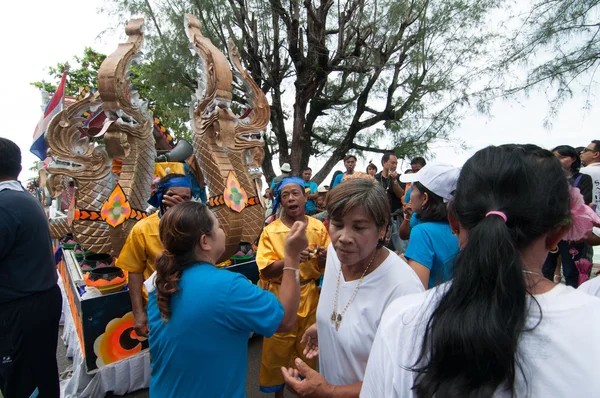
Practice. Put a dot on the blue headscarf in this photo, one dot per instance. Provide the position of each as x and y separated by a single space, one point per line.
283 183
156 198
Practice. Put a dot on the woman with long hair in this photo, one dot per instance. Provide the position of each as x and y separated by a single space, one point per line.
361 278
432 245
200 317
571 253
498 328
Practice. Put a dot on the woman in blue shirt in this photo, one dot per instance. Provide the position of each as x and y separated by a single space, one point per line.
432 245
200 317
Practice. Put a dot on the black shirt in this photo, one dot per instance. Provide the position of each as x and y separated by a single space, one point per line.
26 259
395 202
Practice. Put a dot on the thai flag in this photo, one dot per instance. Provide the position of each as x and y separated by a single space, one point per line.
39 146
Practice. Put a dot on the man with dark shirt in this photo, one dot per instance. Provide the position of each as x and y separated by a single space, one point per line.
389 180
30 299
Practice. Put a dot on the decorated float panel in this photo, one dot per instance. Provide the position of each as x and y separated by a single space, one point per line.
105 144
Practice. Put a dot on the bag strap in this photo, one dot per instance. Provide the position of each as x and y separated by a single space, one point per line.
576 183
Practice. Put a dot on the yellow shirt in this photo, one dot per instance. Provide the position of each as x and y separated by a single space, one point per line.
271 248
142 247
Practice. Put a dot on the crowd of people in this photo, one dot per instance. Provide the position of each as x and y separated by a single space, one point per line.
438 281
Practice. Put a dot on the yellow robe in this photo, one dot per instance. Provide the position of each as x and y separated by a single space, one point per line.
283 348
142 248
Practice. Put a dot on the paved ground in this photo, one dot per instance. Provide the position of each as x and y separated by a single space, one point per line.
254 352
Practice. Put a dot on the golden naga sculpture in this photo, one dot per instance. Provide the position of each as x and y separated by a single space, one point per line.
105 206
74 156
129 137
228 148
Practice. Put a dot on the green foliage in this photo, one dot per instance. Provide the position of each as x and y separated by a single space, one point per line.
82 72
558 42
354 75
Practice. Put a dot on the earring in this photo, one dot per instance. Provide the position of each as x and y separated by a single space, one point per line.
455 232
555 250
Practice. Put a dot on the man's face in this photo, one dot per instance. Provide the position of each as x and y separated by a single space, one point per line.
293 199
176 195
589 155
350 163
416 167
391 163
307 175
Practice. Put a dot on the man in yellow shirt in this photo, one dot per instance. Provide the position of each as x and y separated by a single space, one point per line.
143 245
281 349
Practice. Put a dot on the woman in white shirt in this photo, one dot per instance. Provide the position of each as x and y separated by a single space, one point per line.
362 278
499 328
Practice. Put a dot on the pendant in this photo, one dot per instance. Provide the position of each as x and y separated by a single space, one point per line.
337 322
333 317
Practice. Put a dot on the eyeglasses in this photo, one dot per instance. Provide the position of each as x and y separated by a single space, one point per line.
588 150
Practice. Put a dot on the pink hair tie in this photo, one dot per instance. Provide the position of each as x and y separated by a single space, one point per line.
497 213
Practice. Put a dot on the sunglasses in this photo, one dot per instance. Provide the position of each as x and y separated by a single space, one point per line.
588 150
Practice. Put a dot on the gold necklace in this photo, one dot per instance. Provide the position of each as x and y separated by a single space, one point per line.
336 318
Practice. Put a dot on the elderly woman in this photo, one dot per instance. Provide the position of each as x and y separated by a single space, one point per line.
361 278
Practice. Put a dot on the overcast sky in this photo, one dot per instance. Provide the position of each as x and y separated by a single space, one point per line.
38 34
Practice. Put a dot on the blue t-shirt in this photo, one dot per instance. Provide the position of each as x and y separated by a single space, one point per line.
202 350
433 245
414 221
310 188
338 180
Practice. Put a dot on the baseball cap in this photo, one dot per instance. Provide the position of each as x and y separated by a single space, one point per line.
439 178
286 168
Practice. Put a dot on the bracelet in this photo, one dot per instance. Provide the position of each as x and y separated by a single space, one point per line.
296 270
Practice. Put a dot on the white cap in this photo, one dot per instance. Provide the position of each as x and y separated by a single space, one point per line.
438 178
286 168
323 189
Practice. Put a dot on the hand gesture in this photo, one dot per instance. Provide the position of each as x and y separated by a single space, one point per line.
313 385
321 255
311 339
394 175
408 211
296 240
171 199
140 323
306 255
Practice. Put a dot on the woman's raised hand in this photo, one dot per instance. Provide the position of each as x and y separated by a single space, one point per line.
296 240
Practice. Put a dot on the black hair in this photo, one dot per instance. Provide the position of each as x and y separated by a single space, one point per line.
371 166
335 174
419 160
567 150
596 145
349 156
435 209
470 344
169 177
10 159
306 168
386 156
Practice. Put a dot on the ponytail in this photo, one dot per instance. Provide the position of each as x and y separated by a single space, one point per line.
167 282
475 328
470 345
180 230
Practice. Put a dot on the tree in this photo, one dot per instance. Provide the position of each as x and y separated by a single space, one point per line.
84 74
558 41
341 76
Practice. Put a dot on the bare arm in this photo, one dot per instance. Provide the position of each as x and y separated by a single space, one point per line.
289 292
136 281
273 270
404 229
422 272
